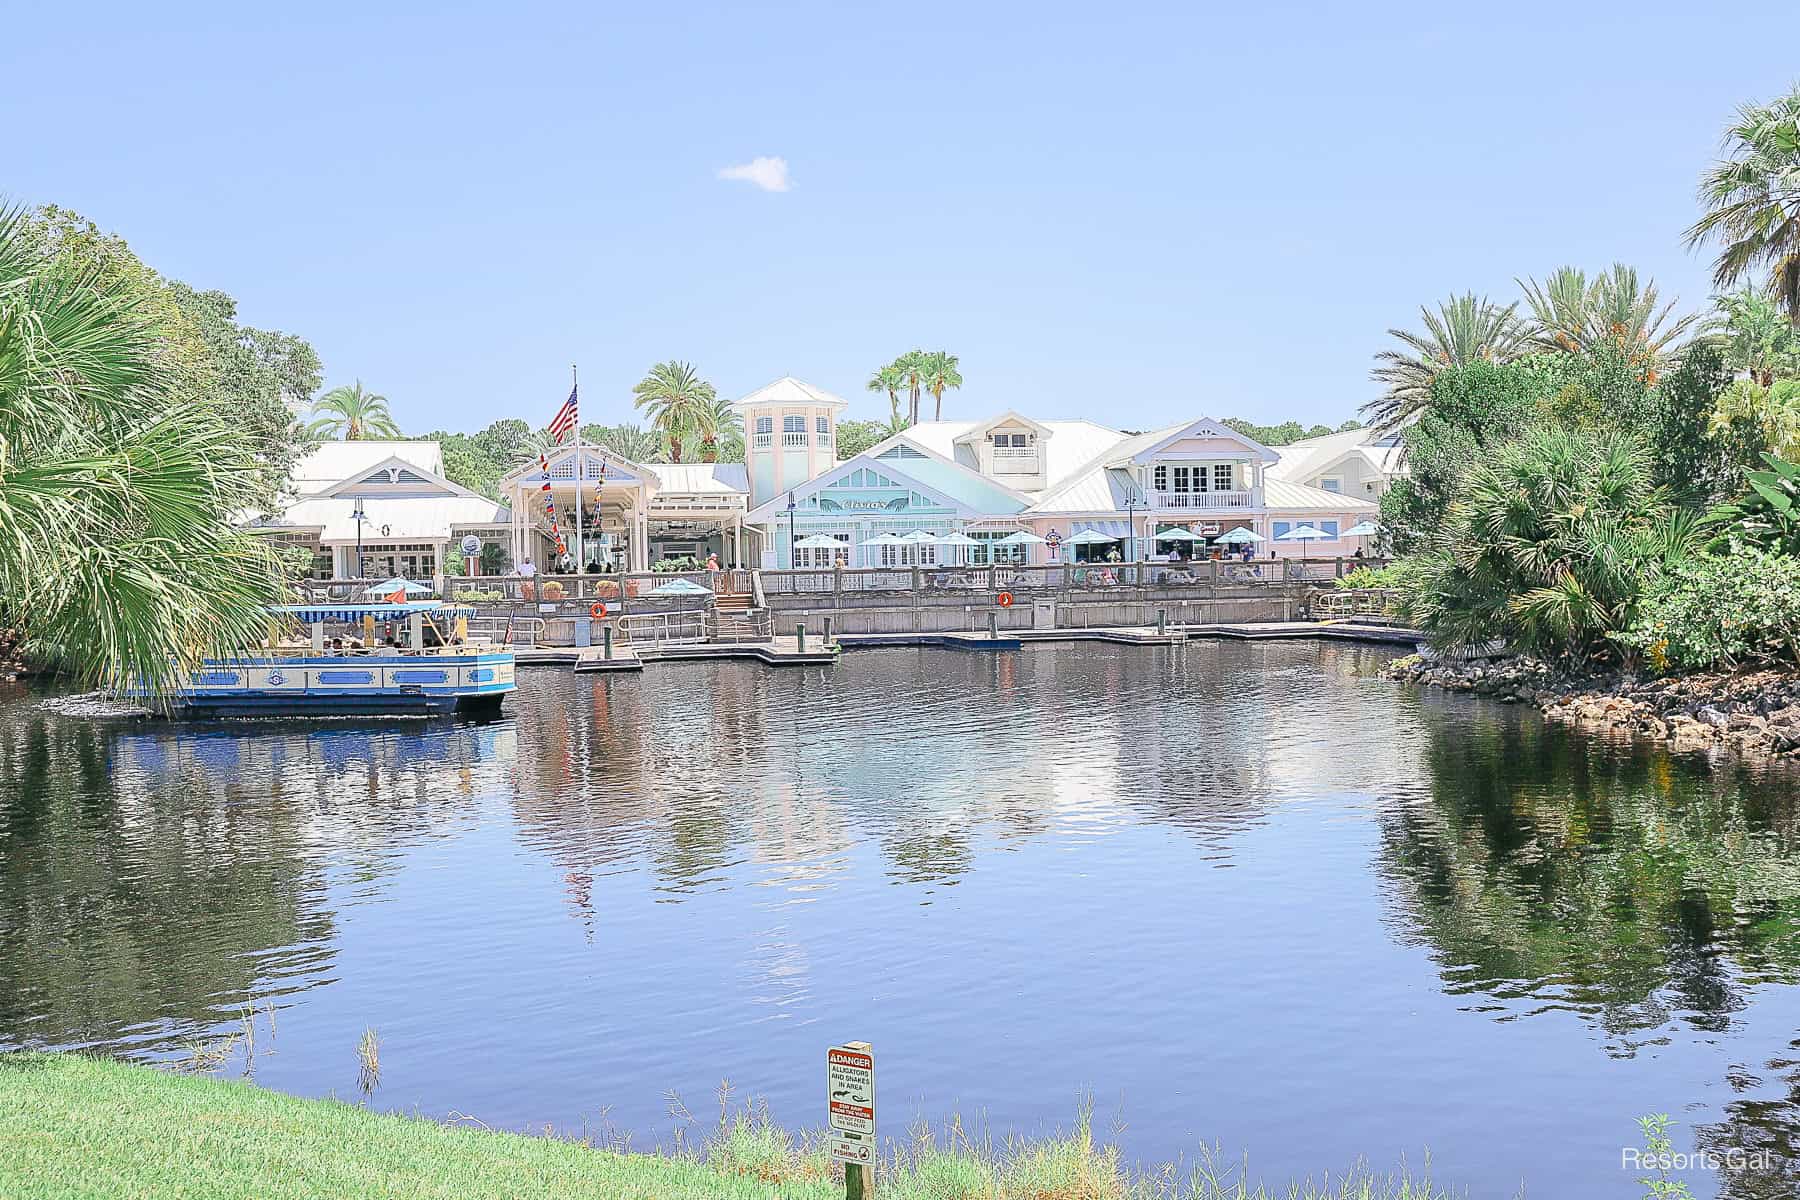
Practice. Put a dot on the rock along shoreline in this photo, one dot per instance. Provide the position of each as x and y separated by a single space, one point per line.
1756 713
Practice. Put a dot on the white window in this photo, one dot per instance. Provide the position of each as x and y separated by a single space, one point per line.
793 424
1330 527
1281 527
822 425
1221 477
765 424
1331 483
1162 478
1182 477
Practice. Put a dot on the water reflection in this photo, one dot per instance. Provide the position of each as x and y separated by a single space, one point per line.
154 881
1258 871
1553 872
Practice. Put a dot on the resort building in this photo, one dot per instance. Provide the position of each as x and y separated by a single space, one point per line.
990 480
391 499
1356 462
1005 488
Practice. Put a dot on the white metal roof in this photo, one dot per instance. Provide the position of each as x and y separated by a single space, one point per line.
788 390
333 462
1068 445
402 518
701 478
1309 456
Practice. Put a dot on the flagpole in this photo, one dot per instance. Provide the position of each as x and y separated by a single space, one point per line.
580 473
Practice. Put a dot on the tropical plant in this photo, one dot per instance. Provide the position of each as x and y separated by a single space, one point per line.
854 437
1754 336
939 374
674 396
352 414
631 442
713 418
1752 200
118 560
1725 610
1549 544
889 379
1774 411
1464 329
911 366
1766 517
1571 314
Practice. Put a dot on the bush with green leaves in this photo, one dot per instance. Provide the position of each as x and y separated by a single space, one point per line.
1548 544
1767 517
1721 611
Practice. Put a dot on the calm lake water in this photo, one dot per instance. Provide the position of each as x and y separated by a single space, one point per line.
1245 894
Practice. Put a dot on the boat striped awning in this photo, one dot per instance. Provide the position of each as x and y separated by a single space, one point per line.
313 614
1117 529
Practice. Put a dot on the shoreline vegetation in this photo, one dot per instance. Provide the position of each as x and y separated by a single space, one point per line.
81 1127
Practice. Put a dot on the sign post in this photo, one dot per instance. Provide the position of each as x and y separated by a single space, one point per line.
850 1098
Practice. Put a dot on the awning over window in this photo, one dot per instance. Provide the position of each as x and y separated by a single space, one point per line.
1118 529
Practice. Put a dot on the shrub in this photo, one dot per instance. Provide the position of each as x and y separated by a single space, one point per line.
1393 575
1549 544
1720 611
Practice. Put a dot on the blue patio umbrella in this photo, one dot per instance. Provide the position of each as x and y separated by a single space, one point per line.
1363 529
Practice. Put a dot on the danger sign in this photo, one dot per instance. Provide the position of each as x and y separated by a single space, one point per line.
850 1087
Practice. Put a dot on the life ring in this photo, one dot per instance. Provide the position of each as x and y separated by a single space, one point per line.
1004 599
597 610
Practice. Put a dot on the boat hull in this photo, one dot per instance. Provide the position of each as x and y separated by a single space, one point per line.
360 685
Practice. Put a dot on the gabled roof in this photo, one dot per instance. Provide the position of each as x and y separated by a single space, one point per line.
591 452
330 463
788 390
394 465
1147 445
943 482
978 429
1309 457
1068 445
984 494
387 518
703 478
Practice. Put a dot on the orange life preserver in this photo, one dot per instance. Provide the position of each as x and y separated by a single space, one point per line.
1004 599
597 611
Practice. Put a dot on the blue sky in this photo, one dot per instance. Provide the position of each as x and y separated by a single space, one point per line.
1131 212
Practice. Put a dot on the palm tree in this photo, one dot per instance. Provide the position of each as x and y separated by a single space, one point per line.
911 366
633 443
1463 330
118 559
890 379
712 418
353 414
1572 315
1752 198
1755 337
940 374
673 393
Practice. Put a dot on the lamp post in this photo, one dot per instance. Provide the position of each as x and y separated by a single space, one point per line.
1133 502
790 531
359 516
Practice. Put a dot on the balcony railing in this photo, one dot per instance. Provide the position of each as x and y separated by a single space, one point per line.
1015 460
791 440
761 441
1205 500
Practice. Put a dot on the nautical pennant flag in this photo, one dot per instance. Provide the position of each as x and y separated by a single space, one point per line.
566 419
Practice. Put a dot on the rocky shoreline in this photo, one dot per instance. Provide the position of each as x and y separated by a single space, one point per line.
1752 712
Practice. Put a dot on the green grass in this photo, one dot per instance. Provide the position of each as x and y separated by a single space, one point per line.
78 1127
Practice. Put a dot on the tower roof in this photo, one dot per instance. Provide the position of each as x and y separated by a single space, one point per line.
788 390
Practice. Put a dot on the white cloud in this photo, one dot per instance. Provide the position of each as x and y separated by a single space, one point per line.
769 174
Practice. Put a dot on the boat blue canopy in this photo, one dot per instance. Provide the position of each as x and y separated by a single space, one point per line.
350 611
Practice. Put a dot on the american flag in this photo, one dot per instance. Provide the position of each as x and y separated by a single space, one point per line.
566 418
